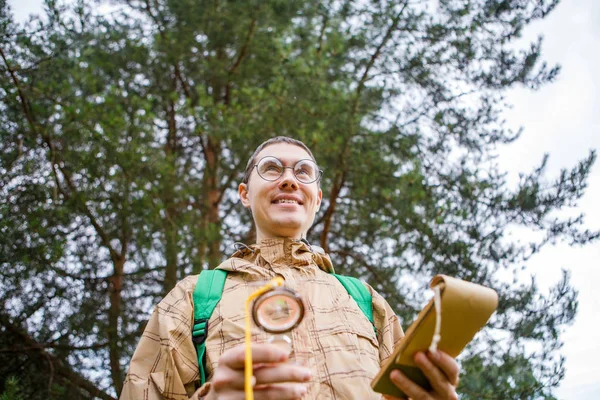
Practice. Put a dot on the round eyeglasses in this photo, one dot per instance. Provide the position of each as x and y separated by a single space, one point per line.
271 168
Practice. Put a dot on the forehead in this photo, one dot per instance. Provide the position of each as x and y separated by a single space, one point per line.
286 152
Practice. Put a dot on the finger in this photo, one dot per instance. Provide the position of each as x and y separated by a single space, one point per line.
439 381
261 353
281 373
409 388
226 379
281 391
447 364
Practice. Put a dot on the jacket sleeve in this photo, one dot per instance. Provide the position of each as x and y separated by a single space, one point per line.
165 365
389 331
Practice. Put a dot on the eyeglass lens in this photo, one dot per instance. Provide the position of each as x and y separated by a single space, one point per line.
271 169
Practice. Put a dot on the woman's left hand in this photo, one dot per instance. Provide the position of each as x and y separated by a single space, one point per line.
440 369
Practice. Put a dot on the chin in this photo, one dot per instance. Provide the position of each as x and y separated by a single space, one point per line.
286 227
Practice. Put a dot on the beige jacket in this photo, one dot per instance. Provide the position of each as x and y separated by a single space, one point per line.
335 339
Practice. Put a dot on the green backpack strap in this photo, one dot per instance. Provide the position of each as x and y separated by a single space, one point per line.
208 292
359 292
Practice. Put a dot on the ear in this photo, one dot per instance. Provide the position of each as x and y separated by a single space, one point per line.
243 193
319 198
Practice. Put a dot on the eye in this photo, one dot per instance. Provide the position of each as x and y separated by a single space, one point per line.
270 166
305 168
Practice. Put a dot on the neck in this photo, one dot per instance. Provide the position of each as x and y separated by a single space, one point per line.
261 236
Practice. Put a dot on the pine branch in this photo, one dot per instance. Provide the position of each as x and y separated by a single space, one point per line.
58 366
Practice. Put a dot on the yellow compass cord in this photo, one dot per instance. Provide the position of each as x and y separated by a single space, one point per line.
248 360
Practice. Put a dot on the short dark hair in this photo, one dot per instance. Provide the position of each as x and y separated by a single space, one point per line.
275 140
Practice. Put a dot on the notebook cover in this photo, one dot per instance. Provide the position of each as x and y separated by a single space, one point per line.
466 307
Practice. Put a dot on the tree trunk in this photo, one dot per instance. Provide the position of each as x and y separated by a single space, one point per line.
171 248
114 346
211 209
170 221
328 217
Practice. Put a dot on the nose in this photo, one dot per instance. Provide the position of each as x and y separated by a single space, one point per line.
288 180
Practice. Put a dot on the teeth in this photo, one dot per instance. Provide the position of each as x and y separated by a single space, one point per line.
286 201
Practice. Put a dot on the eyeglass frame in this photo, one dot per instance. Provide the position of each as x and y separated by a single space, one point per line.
319 175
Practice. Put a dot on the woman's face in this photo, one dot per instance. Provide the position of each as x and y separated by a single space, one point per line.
284 207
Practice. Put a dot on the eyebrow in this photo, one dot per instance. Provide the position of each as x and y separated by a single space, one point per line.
287 162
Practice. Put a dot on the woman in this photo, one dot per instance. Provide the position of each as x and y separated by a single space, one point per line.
336 351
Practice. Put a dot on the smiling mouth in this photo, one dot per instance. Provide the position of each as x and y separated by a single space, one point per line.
285 201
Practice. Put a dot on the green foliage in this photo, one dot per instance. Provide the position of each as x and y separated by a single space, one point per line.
125 135
487 380
11 391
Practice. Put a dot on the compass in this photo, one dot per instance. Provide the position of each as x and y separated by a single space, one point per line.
278 311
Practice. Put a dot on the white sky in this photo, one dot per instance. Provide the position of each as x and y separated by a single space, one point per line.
562 119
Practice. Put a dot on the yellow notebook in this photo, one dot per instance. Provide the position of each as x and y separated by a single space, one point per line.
465 309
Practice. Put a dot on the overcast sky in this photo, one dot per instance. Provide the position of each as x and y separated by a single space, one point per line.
563 120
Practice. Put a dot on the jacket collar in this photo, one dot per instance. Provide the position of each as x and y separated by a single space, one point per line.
281 252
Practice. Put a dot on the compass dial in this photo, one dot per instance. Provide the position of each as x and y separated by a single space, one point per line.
279 310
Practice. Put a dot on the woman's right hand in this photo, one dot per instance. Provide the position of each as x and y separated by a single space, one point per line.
273 378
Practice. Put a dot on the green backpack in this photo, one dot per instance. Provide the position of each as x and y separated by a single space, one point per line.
208 292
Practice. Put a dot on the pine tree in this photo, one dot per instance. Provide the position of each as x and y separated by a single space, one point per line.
125 135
